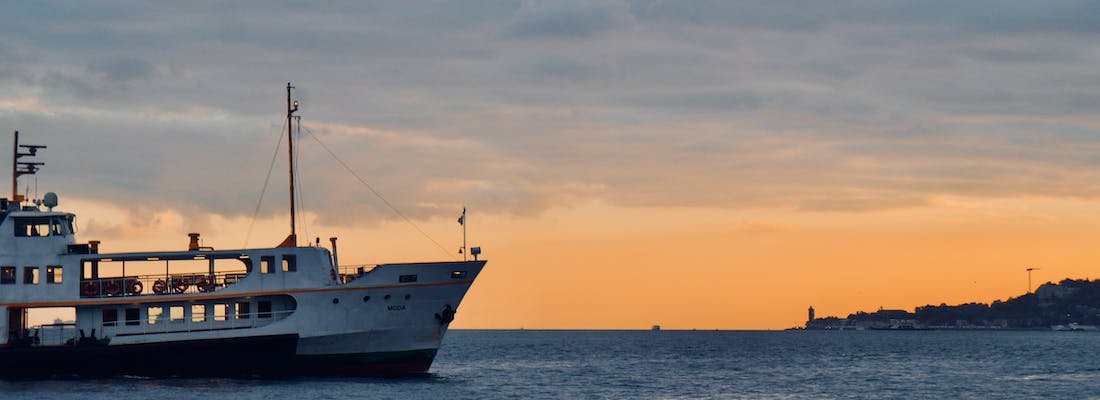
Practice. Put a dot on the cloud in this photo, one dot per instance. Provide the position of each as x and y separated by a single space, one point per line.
122 68
518 106
10 63
561 19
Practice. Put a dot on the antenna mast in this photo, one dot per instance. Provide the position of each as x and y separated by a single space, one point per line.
1029 278
291 107
22 168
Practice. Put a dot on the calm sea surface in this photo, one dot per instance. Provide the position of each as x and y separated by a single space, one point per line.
679 364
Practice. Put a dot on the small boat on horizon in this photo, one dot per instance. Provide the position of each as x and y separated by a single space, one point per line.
1073 327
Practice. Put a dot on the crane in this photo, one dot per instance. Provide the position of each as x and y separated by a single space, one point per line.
1029 269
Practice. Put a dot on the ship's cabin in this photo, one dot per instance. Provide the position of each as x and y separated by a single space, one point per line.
29 229
43 271
117 295
39 226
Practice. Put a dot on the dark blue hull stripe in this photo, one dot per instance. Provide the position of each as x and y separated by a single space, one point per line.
261 356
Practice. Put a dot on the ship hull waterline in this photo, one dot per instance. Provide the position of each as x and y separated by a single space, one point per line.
256 356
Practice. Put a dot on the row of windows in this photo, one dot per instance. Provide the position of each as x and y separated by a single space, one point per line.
30 275
43 226
160 315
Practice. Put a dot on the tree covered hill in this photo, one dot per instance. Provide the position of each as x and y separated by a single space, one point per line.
1069 301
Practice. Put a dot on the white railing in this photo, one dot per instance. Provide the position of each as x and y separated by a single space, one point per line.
54 334
350 273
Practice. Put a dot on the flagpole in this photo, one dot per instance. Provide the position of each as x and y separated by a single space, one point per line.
464 234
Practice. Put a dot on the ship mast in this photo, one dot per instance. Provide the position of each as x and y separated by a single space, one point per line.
291 107
22 168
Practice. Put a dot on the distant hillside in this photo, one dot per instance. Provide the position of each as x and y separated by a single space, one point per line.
1062 303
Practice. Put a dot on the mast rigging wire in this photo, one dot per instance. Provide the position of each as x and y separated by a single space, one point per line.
260 201
376 193
301 189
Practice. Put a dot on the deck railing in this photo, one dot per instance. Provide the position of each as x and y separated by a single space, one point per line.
350 273
53 334
160 284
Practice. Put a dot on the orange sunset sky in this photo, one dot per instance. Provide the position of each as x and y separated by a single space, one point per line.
697 165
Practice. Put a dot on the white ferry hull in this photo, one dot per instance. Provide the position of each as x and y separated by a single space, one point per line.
359 328
400 333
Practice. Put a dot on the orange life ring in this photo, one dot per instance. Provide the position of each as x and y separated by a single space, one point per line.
180 285
159 287
90 289
112 287
205 284
136 287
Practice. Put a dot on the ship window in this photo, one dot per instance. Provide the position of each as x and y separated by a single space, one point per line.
263 309
221 311
110 317
156 315
176 312
61 226
407 278
133 316
458 274
30 275
198 313
54 274
57 227
265 264
7 275
242 310
289 264
25 227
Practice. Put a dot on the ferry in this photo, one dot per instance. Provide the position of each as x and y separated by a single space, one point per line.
286 310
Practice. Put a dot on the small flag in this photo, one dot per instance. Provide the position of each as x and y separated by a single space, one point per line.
462 219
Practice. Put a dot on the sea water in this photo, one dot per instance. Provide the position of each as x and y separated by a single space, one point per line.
677 365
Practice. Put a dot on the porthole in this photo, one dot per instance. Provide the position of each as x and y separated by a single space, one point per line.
386 297
366 299
408 296
335 300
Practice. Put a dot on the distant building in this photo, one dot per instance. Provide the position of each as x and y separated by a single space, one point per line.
811 314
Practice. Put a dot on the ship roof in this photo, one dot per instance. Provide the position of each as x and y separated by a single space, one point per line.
171 255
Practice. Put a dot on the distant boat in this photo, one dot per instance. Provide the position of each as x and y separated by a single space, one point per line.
656 327
1073 326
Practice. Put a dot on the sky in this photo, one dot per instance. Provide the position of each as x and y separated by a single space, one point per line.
693 164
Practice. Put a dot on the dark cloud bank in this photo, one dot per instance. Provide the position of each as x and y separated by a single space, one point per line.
518 106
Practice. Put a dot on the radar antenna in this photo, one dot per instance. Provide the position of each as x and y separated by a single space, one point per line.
20 168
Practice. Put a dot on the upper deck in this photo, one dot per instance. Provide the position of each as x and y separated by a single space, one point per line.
169 273
41 263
